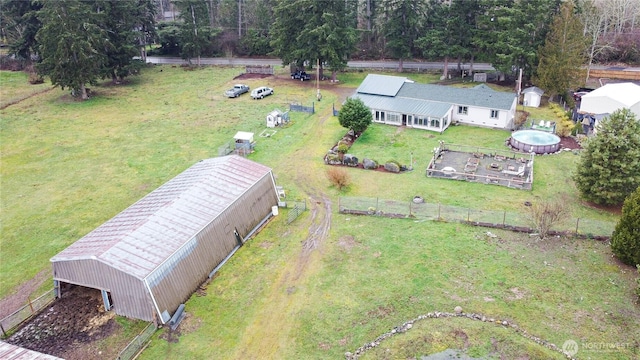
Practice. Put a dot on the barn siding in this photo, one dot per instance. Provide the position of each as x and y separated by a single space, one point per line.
213 244
154 255
129 294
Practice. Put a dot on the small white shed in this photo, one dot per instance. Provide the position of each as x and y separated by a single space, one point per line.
532 96
276 118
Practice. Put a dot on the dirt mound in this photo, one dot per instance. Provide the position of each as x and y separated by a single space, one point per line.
76 318
251 76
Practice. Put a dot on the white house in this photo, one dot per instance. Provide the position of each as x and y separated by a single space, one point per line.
532 96
399 101
611 97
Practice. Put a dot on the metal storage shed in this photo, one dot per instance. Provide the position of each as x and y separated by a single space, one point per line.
151 257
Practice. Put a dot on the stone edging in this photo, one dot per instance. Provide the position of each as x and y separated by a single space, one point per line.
472 316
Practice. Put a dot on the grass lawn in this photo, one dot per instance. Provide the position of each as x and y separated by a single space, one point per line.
69 166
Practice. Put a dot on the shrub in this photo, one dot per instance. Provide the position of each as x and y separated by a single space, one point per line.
342 148
544 214
338 177
625 242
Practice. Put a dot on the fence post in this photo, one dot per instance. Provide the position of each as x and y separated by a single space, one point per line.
577 222
468 214
339 208
30 305
4 333
504 218
410 208
377 204
438 210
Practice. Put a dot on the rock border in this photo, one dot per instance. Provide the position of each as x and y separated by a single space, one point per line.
458 313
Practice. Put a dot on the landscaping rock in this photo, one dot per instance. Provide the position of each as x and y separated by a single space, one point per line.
392 167
458 310
369 164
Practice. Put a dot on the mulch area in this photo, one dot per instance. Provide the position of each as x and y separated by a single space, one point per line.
569 142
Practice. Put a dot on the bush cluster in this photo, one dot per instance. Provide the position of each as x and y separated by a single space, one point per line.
338 177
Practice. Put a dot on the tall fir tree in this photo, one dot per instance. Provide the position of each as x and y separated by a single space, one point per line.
609 167
19 24
511 31
71 44
562 57
196 32
402 22
625 240
312 31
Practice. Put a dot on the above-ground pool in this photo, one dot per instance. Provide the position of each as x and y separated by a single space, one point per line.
539 142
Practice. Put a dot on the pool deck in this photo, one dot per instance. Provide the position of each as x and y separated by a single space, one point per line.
515 171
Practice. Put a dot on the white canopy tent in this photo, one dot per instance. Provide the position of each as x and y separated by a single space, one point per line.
611 97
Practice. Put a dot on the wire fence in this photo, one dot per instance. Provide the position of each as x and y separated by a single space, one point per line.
491 218
298 208
138 343
26 312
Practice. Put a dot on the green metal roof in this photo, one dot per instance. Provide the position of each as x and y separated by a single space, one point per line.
383 85
479 97
404 105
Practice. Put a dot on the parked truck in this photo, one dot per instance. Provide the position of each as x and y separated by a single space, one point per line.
237 90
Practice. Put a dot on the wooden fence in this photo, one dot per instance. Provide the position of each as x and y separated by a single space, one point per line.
259 69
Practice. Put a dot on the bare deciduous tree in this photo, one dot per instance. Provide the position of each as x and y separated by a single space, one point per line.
544 214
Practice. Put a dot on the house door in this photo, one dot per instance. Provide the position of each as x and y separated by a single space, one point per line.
404 119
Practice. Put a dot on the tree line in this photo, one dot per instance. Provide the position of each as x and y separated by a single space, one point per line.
76 42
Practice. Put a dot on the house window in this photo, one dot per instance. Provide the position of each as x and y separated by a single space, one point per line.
494 114
463 110
393 118
435 123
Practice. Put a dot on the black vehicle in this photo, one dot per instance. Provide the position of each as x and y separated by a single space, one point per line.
300 75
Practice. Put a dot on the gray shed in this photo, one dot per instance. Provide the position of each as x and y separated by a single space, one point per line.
151 257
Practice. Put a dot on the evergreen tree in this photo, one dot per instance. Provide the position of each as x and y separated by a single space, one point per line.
355 115
449 31
123 22
625 241
72 44
609 167
401 23
196 33
19 24
563 54
312 31
512 31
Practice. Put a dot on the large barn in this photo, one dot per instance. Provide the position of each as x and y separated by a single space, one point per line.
399 101
151 257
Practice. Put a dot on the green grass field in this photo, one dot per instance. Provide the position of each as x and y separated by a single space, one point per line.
69 166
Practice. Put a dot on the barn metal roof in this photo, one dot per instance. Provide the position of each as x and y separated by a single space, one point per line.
479 97
143 236
404 105
14 352
384 85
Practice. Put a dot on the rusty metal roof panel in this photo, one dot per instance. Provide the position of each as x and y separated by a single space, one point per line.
146 234
14 352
